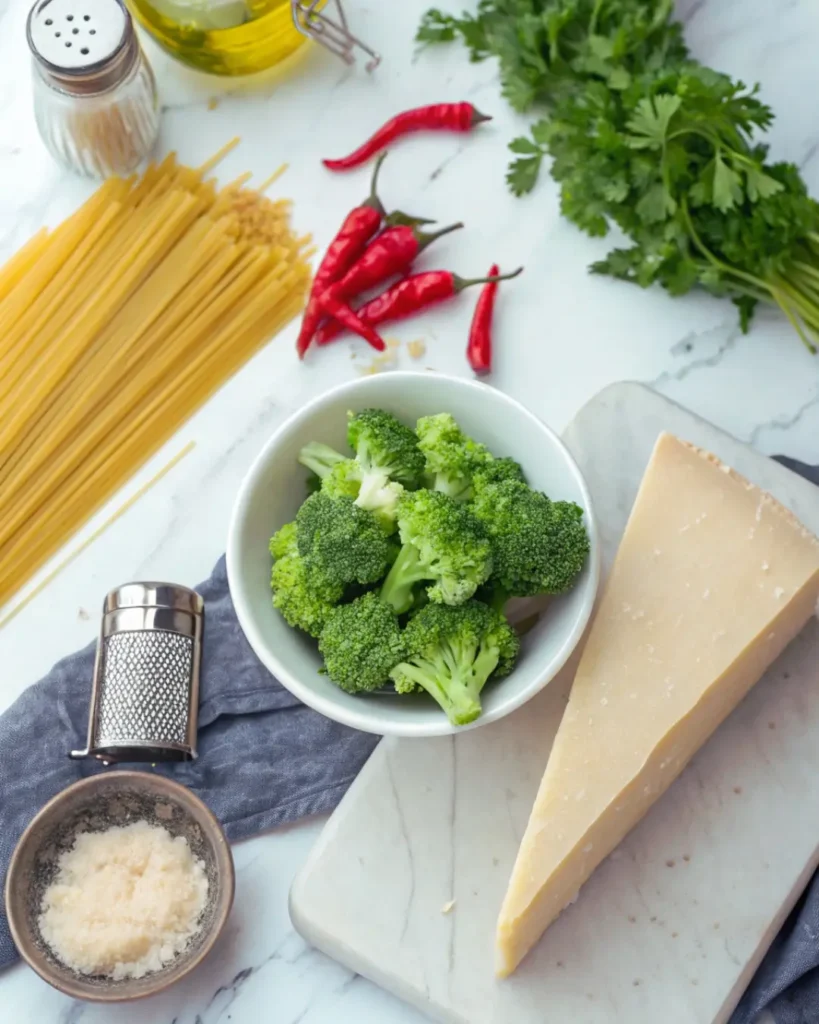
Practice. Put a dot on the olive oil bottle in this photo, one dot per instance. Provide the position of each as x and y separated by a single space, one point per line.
223 37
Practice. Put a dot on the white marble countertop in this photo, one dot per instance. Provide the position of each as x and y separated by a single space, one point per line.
562 335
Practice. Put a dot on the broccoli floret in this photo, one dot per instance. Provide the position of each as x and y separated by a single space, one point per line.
452 653
494 471
343 480
344 543
372 491
451 457
304 599
385 449
284 542
361 642
320 458
387 458
443 543
538 546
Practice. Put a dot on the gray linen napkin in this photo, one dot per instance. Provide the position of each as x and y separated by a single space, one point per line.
264 757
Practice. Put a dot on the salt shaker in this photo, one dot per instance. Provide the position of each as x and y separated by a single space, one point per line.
95 98
145 696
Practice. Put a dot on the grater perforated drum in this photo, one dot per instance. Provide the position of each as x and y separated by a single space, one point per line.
145 697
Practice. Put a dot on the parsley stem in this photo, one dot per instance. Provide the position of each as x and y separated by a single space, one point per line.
807 288
754 293
757 282
796 325
806 307
807 269
598 6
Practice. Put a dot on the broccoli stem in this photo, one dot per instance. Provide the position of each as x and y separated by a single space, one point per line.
485 664
459 488
454 674
369 496
406 572
320 458
454 694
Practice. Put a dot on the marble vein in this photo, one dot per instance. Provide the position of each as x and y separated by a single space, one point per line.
444 164
688 343
407 846
73 1014
784 423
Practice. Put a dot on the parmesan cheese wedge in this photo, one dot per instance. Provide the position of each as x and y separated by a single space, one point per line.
712 580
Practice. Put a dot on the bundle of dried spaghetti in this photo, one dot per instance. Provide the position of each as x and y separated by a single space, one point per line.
116 327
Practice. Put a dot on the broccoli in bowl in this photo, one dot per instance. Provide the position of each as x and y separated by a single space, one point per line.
404 554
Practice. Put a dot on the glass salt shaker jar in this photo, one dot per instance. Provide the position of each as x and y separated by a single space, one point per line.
95 98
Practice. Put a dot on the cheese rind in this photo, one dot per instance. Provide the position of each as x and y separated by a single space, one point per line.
712 580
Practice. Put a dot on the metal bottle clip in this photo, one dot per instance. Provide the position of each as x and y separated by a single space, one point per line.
145 697
325 22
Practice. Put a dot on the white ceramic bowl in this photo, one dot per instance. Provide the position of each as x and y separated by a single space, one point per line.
275 487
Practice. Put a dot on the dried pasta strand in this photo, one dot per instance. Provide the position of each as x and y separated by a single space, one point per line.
22 262
147 318
117 326
100 530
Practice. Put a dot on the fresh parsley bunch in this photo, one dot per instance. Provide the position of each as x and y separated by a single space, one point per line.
643 136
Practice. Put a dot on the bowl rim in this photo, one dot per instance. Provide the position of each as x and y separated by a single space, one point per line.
362 720
225 866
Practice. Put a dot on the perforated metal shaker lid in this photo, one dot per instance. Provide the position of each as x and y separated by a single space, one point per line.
82 42
145 696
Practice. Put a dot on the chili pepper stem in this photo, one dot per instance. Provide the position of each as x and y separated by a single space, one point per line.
479 118
398 219
459 283
426 238
373 200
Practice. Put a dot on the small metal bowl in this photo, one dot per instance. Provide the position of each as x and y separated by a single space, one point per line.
92 805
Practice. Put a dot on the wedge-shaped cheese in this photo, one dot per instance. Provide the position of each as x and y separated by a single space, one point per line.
712 580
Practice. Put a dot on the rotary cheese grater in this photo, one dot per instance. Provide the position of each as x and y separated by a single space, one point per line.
145 697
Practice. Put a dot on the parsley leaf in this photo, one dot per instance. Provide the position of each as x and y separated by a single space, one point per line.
727 186
655 204
760 185
523 174
649 125
746 306
525 146
437 27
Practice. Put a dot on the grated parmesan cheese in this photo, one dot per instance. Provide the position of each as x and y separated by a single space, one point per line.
124 901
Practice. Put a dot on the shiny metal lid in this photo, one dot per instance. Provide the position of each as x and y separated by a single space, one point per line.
154 595
86 45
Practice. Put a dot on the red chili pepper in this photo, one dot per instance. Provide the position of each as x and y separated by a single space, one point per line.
356 231
342 313
452 117
392 252
479 347
408 297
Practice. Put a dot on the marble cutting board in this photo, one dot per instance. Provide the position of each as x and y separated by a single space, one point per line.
672 926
